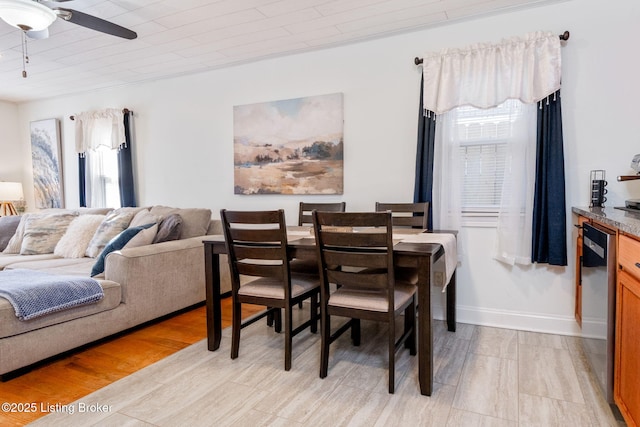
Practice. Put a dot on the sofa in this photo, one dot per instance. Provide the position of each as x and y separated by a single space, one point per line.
163 272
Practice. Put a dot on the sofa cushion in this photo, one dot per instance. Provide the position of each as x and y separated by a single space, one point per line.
78 211
144 217
42 232
59 265
114 224
10 325
7 260
116 244
8 226
15 243
169 229
76 239
145 237
195 220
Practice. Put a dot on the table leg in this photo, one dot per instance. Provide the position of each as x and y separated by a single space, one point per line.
425 327
214 315
451 303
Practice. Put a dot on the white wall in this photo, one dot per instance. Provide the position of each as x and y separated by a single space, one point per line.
12 148
183 135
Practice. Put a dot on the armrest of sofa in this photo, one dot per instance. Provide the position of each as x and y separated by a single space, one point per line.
175 267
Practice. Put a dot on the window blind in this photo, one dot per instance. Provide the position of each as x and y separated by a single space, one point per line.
484 135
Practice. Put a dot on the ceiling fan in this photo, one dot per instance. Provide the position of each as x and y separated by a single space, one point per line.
35 16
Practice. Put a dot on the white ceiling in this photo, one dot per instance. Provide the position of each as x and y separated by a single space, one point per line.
187 36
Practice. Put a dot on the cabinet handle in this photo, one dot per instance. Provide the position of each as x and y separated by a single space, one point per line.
638 264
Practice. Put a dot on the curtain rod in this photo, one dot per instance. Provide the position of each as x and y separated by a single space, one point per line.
124 111
564 37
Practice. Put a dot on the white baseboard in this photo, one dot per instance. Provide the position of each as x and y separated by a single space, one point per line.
561 325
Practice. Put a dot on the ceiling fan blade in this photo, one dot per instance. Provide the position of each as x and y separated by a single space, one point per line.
95 23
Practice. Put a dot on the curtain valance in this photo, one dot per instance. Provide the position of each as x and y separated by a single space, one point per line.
485 75
99 128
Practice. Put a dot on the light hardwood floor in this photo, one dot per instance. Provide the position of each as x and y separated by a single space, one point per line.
483 377
67 379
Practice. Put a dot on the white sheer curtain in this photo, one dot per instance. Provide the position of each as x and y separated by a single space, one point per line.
447 174
525 69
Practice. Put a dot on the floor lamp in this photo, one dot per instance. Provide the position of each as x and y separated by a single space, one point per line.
9 191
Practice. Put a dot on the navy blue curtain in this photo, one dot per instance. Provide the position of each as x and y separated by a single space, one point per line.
423 188
125 167
549 208
81 179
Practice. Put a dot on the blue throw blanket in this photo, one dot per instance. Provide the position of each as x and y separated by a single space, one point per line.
34 293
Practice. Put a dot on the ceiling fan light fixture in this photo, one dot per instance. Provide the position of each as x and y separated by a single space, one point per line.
26 14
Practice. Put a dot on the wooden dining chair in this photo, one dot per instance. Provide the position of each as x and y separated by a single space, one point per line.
414 215
304 218
304 215
256 243
355 253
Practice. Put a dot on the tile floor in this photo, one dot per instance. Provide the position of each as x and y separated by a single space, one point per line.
483 377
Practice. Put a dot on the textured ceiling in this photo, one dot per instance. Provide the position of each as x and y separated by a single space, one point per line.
186 36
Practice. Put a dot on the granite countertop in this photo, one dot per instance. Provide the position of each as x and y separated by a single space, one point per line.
623 219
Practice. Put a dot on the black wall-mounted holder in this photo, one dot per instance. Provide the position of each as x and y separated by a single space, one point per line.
598 189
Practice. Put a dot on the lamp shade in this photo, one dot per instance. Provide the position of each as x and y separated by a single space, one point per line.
10 191
26 14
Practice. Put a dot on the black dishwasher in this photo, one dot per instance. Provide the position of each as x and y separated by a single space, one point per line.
598 279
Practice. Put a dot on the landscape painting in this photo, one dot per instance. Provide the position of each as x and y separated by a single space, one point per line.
47 169
292 146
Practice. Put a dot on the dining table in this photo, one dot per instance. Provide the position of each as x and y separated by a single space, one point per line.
419 254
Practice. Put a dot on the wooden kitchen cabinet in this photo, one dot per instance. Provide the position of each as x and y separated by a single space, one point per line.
627 343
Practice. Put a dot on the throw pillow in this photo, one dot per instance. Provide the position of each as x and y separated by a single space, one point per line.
42 232
195 221
169 229
115 244
144 217
8 227
143 238
15 243
111 226
75 241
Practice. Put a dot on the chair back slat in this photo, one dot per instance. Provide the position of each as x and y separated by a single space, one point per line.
260 235
414 215
304 214
249 267
258 252
354 239
366 281
356 259
253 217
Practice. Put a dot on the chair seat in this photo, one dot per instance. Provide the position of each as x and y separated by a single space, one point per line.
372 300
266 287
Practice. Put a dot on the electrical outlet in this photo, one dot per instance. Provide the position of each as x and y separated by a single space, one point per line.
438 278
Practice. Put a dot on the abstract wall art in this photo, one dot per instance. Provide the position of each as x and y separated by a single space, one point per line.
47 167
292 146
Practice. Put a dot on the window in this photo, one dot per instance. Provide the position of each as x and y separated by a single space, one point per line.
483 136
102 178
